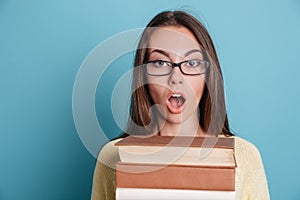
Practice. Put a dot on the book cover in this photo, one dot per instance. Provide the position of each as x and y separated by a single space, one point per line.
175 177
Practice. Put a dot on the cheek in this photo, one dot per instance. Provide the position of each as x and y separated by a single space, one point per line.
156 92
157 87
197 86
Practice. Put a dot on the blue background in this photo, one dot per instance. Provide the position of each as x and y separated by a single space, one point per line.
43 43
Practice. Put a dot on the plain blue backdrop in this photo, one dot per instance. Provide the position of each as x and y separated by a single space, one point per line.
43 43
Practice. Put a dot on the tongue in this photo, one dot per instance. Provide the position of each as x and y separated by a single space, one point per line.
175 102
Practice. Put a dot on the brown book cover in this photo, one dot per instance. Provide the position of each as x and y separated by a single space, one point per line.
204 142
175 177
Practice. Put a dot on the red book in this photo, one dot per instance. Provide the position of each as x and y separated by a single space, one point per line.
214 178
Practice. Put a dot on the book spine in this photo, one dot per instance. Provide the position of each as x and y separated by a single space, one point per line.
175 177
177 155
167 194
215 142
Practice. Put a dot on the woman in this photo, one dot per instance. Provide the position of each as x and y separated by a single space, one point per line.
178 90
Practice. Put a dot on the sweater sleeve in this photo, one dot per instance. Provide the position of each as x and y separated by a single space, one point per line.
104 185
250 176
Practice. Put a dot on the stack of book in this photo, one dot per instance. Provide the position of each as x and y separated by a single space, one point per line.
166 167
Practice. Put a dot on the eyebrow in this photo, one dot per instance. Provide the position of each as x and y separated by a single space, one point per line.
160 51
192 51
168 55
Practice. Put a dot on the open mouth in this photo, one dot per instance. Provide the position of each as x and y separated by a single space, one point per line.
176 100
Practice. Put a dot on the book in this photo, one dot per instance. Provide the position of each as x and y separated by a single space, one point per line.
130 175
172 194
198 151
165 167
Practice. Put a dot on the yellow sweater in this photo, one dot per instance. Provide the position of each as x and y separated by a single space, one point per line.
251 183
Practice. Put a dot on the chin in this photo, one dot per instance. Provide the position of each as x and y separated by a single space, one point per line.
176 119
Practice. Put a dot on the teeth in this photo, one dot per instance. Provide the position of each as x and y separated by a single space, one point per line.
176 95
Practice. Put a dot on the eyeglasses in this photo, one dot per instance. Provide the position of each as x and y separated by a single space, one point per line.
188 67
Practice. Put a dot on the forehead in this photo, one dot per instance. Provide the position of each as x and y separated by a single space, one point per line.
176 40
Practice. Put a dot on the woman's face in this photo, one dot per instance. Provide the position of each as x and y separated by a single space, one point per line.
177 93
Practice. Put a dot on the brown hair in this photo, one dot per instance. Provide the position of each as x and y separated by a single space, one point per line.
213 117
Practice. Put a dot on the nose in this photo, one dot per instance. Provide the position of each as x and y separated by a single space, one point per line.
176 77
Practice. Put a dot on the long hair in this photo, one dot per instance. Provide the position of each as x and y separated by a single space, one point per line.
213 116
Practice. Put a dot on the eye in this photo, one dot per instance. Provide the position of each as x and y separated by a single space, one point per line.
194 63
160 63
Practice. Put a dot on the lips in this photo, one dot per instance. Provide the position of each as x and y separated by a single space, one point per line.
175 102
